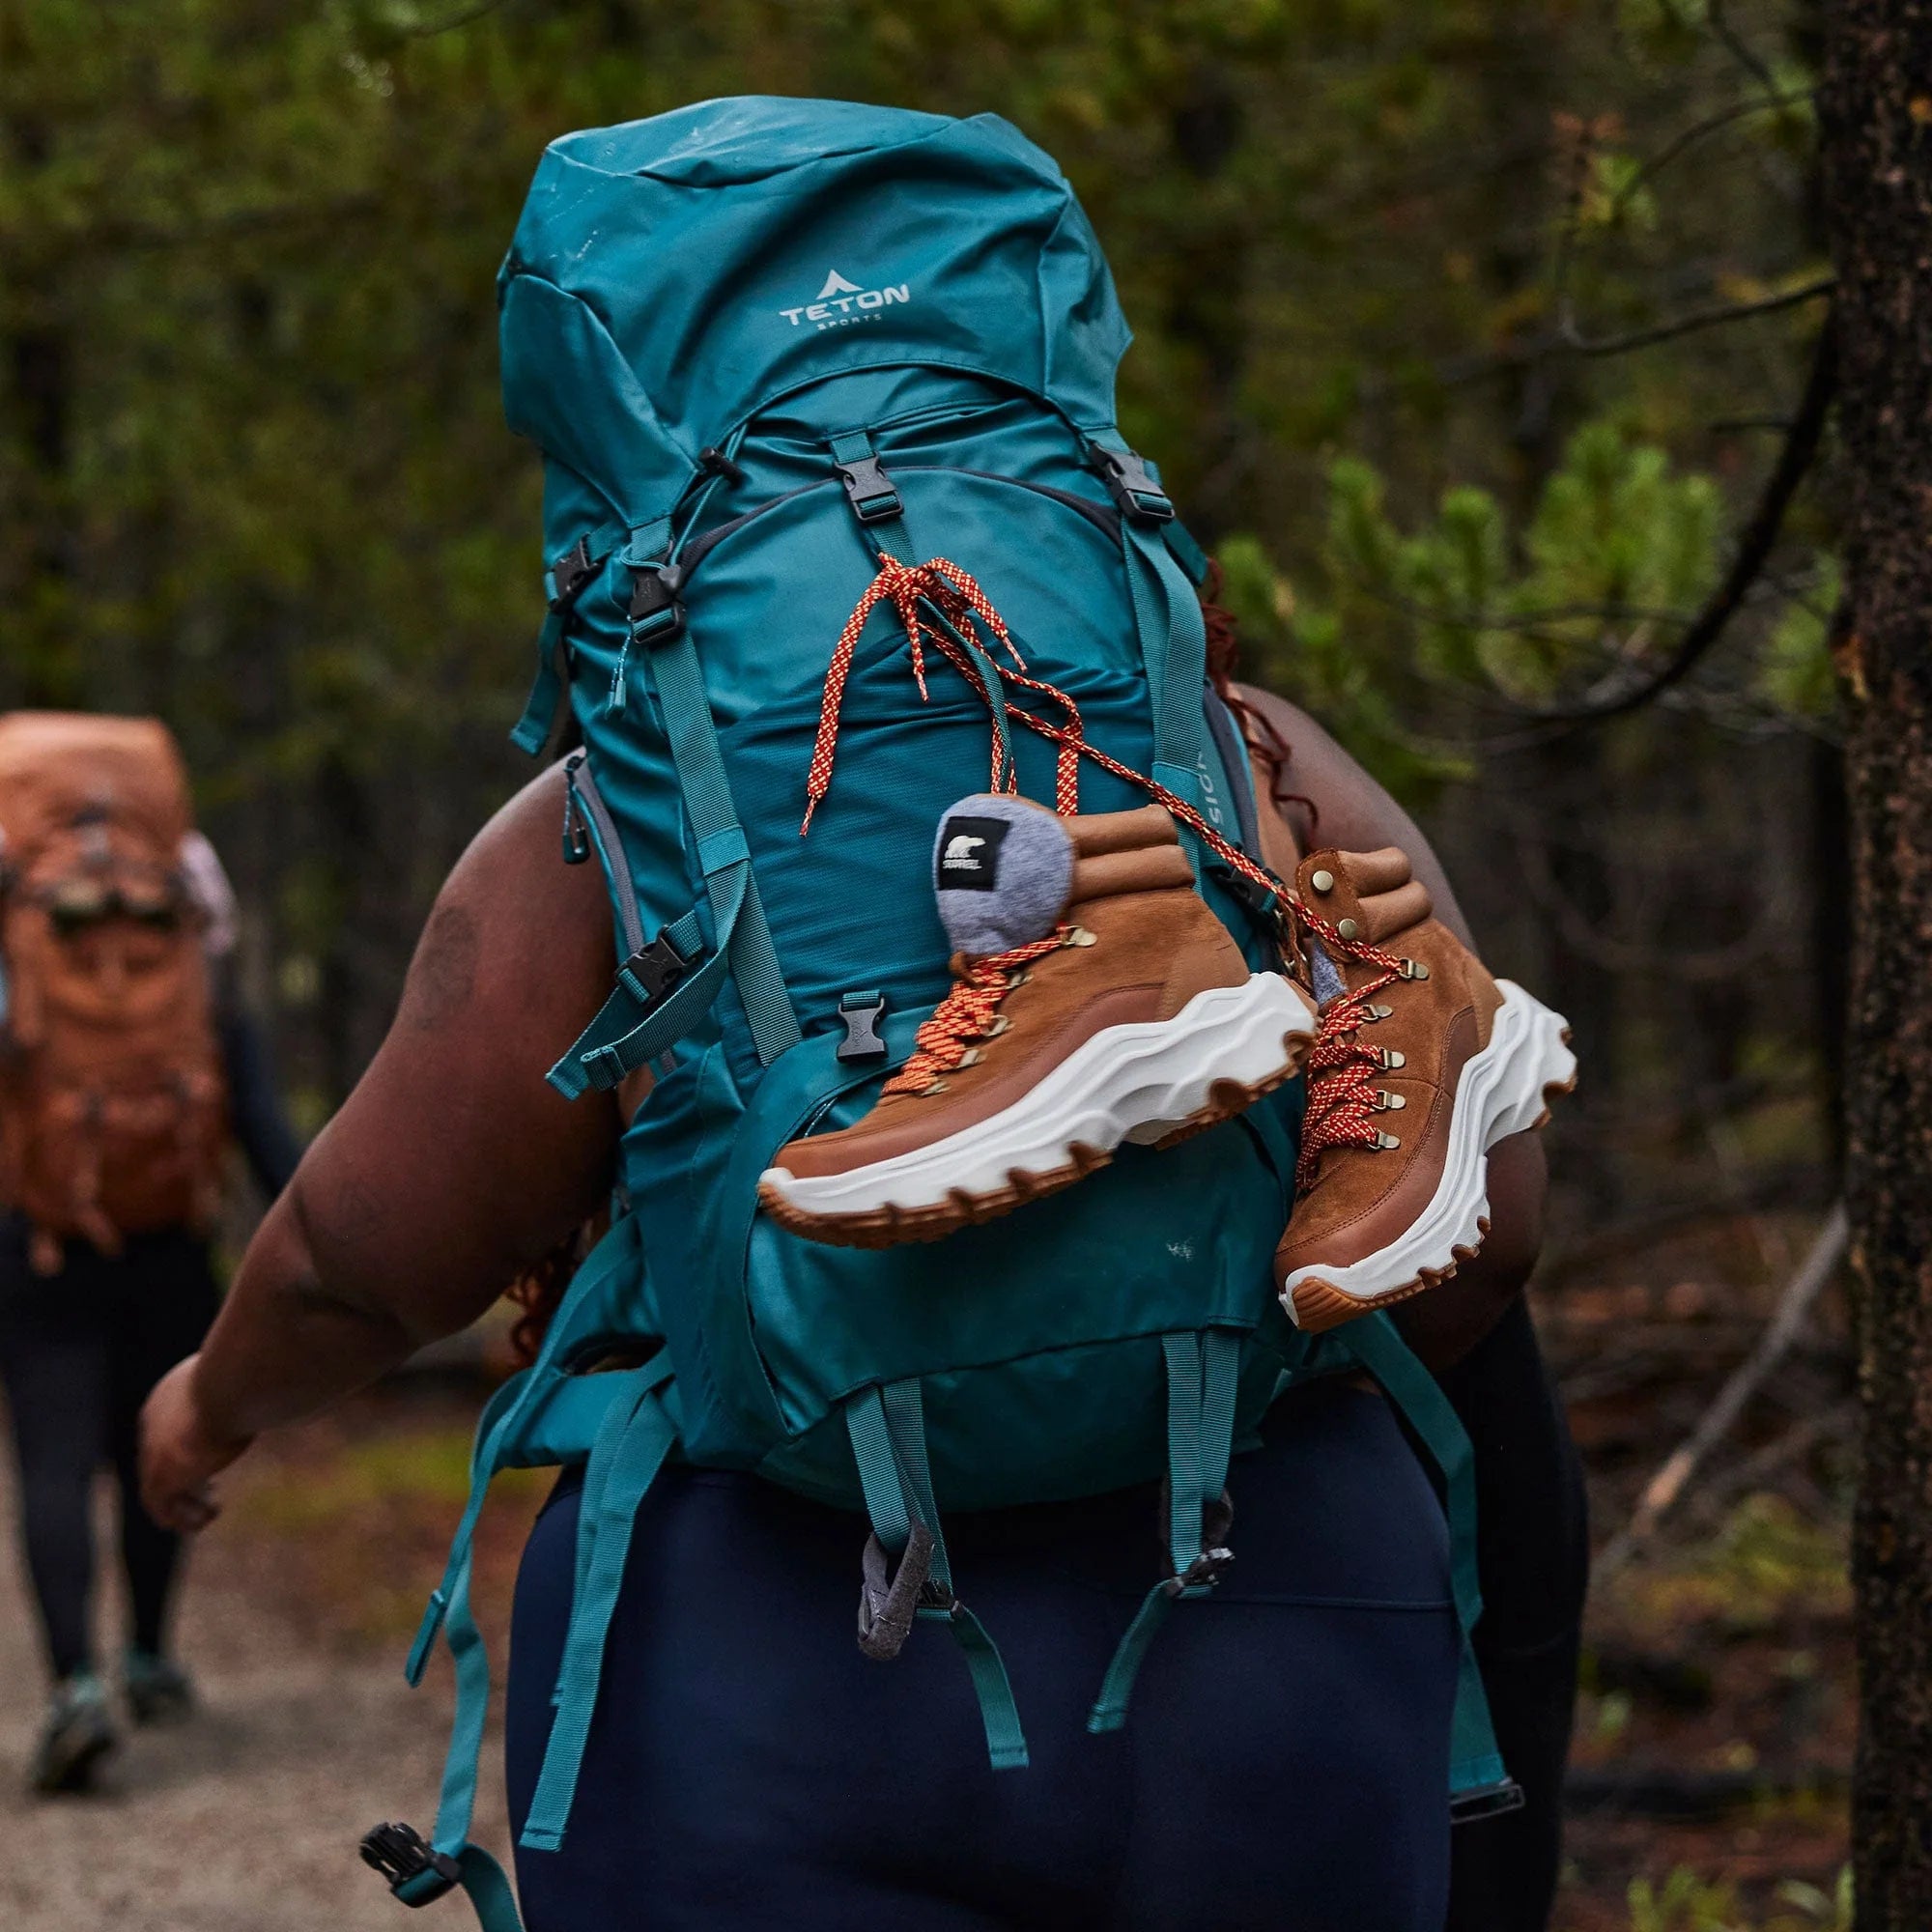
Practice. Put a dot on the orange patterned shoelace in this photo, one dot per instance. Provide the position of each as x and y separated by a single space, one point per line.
967 1014
955 596
1340 1068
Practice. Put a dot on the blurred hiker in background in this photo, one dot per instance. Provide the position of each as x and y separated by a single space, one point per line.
127 1065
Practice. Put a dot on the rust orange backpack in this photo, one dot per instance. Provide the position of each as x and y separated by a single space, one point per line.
112 1104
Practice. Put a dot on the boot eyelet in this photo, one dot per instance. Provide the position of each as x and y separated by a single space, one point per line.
1414 969
1080 936
1390 1103
970 1058
998 1025
1384 1142
1018 979
1392 1058
1378 1011
1347 927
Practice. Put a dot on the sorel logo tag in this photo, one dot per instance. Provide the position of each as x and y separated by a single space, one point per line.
840 303
969 854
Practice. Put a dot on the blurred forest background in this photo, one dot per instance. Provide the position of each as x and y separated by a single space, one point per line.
1472 336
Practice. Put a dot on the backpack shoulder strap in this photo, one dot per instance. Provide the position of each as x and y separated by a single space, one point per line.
666 988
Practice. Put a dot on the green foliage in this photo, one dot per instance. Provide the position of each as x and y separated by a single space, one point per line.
1686 1903
253 471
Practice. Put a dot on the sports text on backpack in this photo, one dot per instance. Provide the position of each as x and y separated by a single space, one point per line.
111 1098
840 516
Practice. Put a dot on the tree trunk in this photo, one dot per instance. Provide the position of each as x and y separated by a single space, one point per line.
1876 114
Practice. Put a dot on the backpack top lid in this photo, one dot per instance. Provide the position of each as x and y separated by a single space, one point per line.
59 769
671 276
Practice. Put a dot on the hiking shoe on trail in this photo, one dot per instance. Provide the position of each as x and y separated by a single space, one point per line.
78 1734
1424 1064
158 1689
1095 999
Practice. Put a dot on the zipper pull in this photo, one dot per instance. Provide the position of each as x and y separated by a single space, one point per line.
619 679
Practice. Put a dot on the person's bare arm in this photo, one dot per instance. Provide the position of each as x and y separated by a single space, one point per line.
449 1168
1353 814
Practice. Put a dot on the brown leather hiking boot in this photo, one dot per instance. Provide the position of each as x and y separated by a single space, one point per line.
1424 1064
1096 999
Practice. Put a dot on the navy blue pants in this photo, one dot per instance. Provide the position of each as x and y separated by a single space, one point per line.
1284 1766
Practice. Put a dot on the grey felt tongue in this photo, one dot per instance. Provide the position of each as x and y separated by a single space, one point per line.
1325 974
1000 870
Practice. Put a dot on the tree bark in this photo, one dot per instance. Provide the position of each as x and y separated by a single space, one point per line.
1876 123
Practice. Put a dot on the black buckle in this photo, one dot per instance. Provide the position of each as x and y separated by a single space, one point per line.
657 613
871 490
569 574
401 1853
1486 1801
713 461
1134 491
862 1014
653 970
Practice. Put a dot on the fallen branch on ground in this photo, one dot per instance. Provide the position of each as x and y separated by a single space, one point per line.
1795 1304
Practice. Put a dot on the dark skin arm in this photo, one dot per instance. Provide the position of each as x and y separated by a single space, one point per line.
453 1167
449 1170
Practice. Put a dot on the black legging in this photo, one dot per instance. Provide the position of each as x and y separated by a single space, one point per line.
1533 1556
78 1352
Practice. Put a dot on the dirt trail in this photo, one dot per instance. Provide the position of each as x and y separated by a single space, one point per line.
246 1820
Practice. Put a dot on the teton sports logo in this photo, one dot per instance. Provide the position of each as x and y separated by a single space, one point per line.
840 303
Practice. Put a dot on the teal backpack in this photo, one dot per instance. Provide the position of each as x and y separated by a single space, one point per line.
765 346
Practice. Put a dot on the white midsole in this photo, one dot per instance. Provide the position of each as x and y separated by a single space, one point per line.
1501 1092
1138 1081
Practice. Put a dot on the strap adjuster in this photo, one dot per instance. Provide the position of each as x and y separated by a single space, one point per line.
569 574
653 970
1486 1801
406 1859
1134 491
862 1014
869 489
1204 1573
657 613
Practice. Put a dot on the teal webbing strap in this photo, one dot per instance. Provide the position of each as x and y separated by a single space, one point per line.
1202 1380
722 854
888 1431
1174 646
633 1027
563 581
1475 1765
532 730
499 1417
1166 616
989 675
484 1881
631 1451
875 503
878 1469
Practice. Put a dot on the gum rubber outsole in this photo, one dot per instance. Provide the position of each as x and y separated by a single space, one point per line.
891 1227
1319 1306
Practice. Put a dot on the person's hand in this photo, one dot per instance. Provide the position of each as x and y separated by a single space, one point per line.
179 1454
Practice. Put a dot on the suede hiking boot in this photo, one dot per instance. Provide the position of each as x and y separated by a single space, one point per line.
1095 999
76 1736
1424 1064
